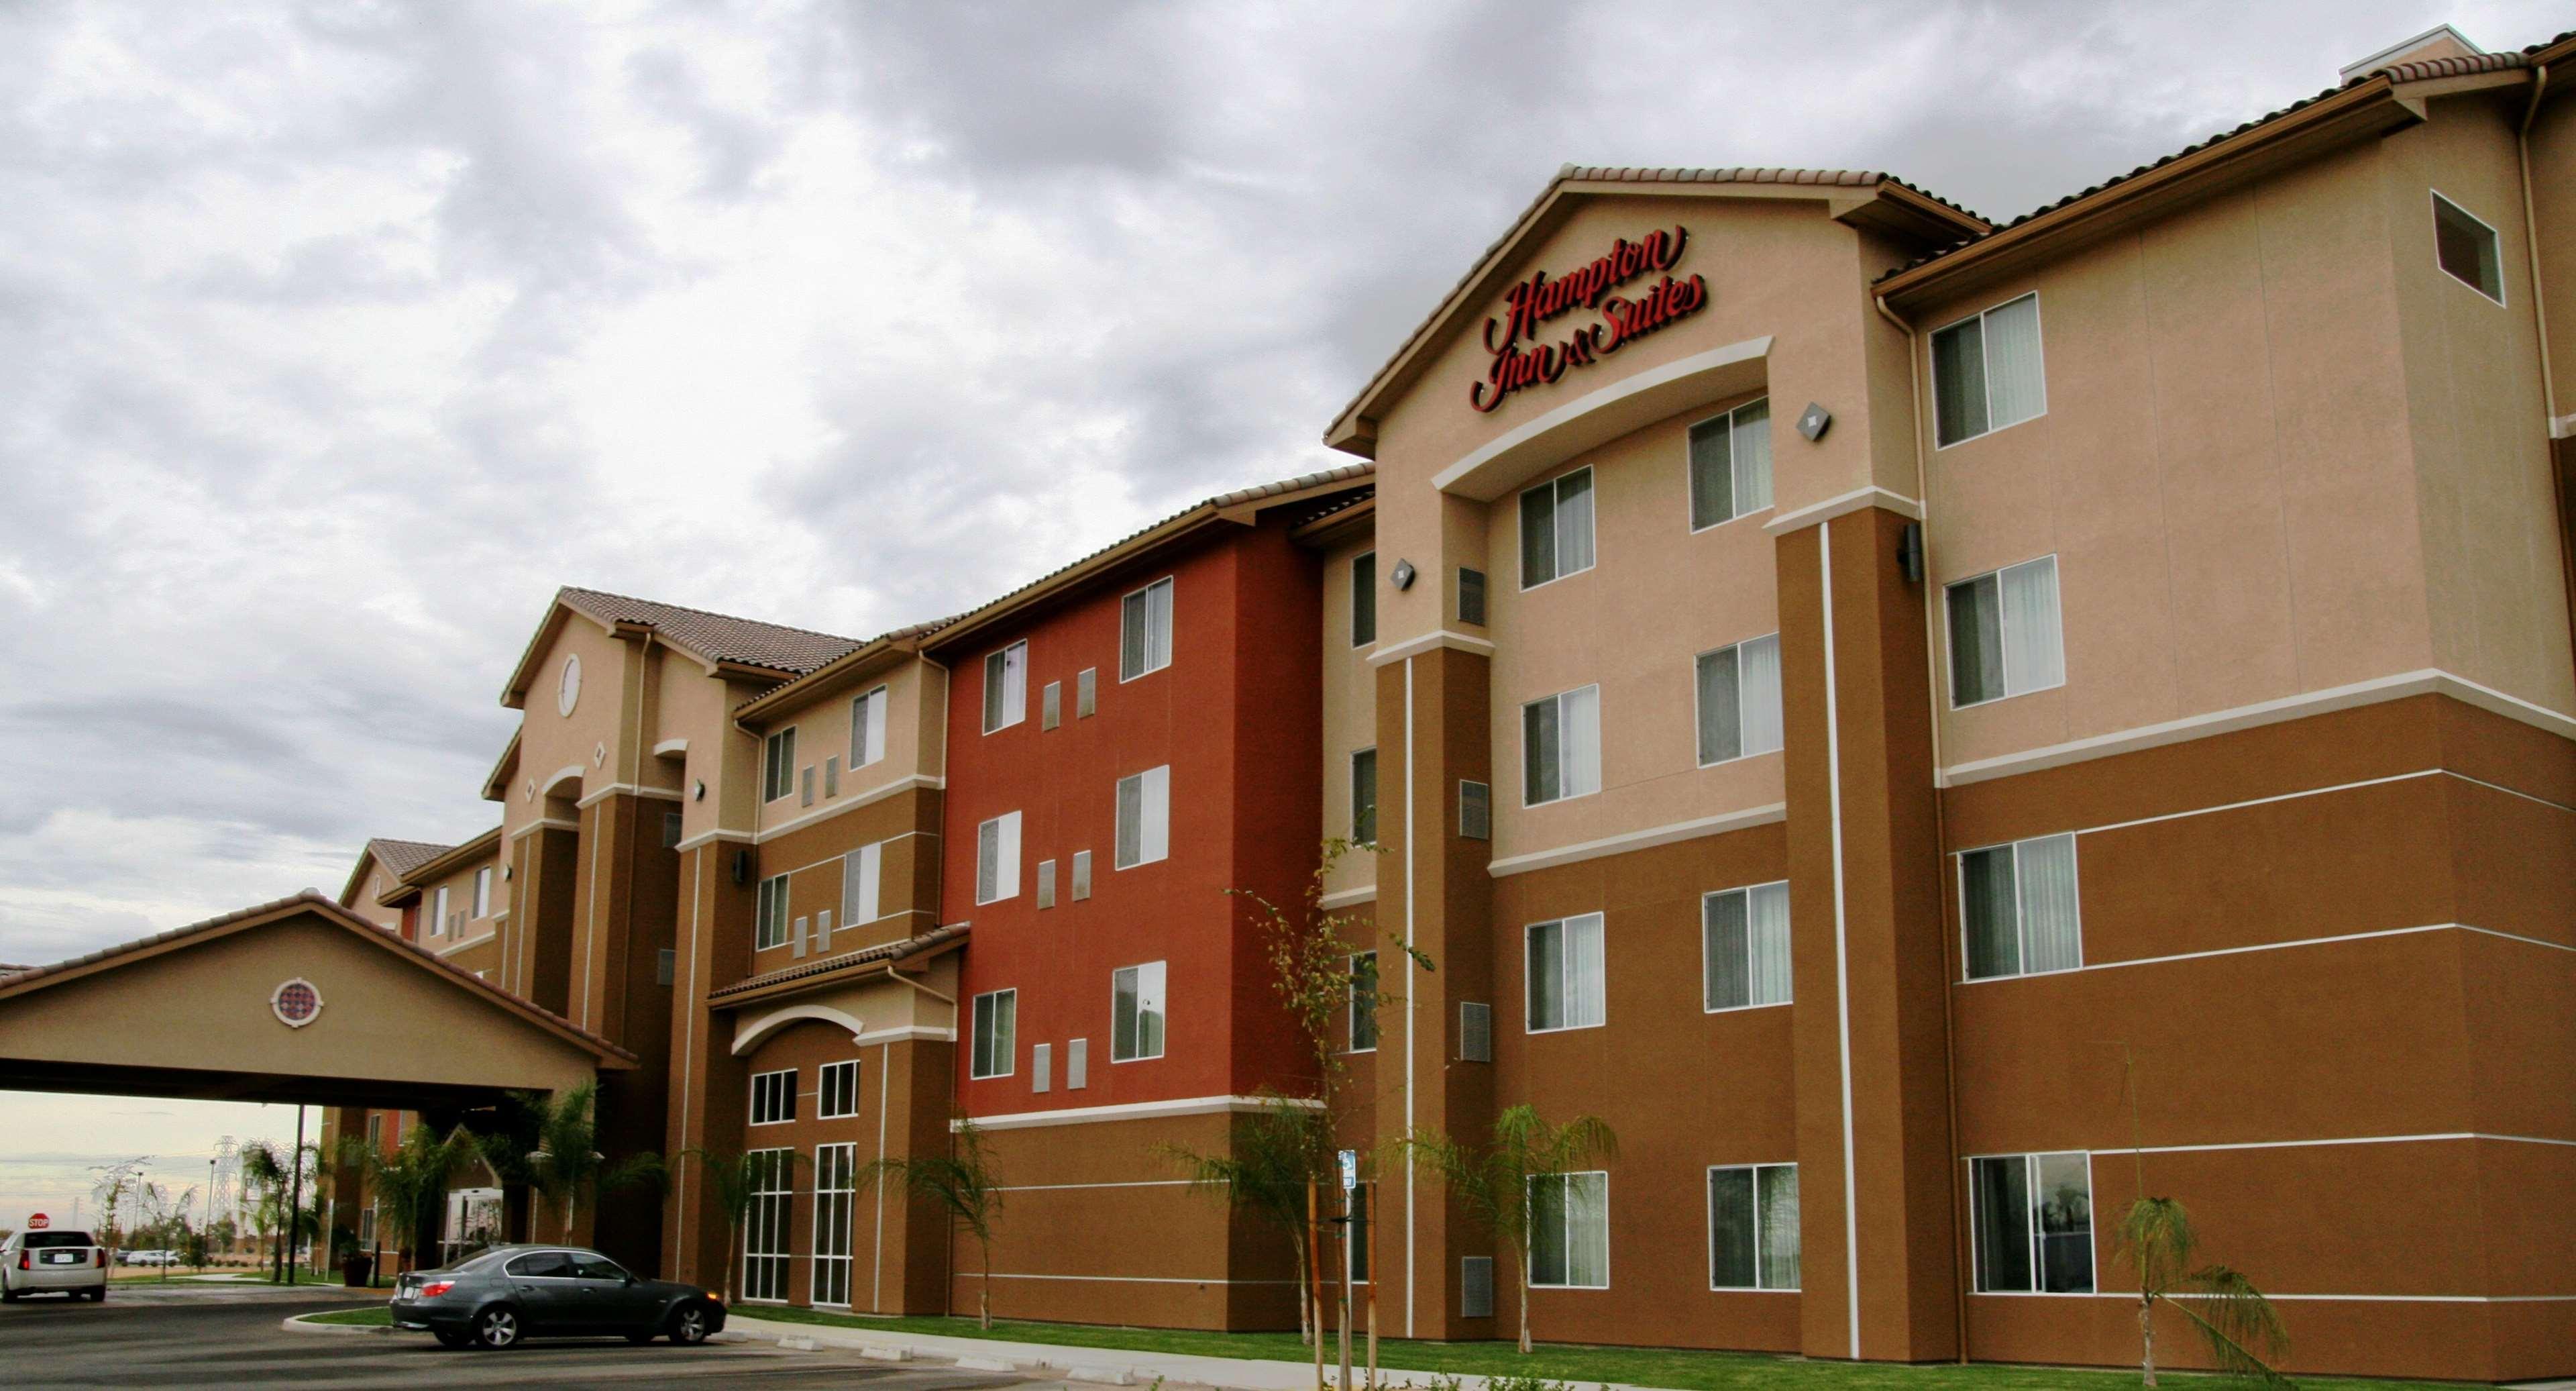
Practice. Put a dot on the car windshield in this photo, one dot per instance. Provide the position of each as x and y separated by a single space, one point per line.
37 1241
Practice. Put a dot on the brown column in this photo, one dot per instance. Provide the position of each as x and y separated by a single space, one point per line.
1871 966
1433 729
911 1277
707 1084
544 913
628 900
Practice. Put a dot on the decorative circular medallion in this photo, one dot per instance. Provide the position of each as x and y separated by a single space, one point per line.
296 1003
570 691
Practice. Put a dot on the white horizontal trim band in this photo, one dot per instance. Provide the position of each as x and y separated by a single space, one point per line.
1138 1110
1437 637
1127 1279
2338 1298
1639 840
545 823
1843 505
1692 377
852 801
719 833
468 944
904 1032
2271 946
658 794
1344 898
2343 1140
2297 707
1061 1187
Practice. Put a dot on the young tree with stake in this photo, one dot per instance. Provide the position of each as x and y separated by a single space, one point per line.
964 1183
1493 1180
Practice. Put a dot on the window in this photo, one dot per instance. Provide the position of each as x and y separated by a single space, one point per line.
1006 687
764 1224
1744 947
2466 248
1556 529
2004 637
861 872
542 1265
2034 1221
1753 1227
769 917
778 775
1081 875
483 893
1730 465
1364 796
1136 1007
836 1091
2019 907
1739 700
836 1173
997 1017
1986 372
1569 1219
438 910
1565 974
1364 599
1145 631
1471 596
773 1097
375 1132
367 1227
997 858
1364 1002
867 728
1561 746
1145 817
1356 1234
1475 810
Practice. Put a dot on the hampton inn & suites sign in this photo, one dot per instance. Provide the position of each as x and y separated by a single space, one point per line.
1522 360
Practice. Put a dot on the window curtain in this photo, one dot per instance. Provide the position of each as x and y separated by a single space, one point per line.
1779 1226
1587 1204
859 871
1959 381
1123 1023
1131 820
2000 1190
1538 535
1158 626
1546 975
1539 738
1135 622
2065 1223
1149 1010
867 729
1727 981
1720 707
1987 900
1154 837
2051 918
1768 936
988 859
1586 990
1547 1230
1731 1230
2034 655
1752 458
1712 473
2015 388
1582 741
1976 642
1758 673
996 676
1574 522
1015 682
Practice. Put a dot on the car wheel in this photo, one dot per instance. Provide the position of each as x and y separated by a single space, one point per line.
449 1338
99 1295
7 1295
689 1325
497 1328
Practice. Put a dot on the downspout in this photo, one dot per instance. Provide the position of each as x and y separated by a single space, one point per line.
1941 838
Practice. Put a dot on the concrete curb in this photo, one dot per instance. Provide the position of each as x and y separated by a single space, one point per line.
299 1323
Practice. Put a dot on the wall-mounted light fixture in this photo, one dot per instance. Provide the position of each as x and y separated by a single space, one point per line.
1401 576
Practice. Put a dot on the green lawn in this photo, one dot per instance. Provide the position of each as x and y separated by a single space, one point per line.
1679 1370
377 1317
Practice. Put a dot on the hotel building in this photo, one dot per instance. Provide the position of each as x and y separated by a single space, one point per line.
1924 726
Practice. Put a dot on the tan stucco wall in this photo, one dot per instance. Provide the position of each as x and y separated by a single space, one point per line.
1350 708
916 707
459 883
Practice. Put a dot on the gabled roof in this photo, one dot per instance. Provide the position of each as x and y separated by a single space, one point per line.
446 862
397 857
883 953
846 669
718 640
44 977
1873 197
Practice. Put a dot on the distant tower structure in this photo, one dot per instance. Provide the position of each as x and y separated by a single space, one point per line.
223 1201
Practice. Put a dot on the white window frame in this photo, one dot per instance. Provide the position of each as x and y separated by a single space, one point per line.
1748 890
1531 1198
1932 370
1169 623
2021 928
1761 1245
482 893
438 911
1011 711
1689 483
1601 924
2502 290
763 1088
769 921
1351 1029
1526 753
1006 858
1162 987
836 1204
1007 1054
1950 634
1353 784
863 885
1780 698
869 714
778 766
770 1210
1520 554
823 1090
1153 819
2030 1195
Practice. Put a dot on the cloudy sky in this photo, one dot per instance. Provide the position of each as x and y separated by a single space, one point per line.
334 336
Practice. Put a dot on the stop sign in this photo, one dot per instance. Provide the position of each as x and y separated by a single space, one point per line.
39 1222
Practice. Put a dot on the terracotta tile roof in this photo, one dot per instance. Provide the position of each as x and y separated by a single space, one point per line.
401 857
333 912
715 636
932 940
2425 70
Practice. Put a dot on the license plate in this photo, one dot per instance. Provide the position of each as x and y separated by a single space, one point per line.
61 1257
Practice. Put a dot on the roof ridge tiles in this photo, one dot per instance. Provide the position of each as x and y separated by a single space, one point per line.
704 613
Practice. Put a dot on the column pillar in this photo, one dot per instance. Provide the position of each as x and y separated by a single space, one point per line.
1872 973
707 1086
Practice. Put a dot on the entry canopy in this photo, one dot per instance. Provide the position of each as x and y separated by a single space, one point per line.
293 1001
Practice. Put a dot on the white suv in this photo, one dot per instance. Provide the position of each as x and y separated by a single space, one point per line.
52 1262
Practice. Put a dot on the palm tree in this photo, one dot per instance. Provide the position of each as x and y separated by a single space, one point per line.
962 1182
409 1182
1494 1180
2218 1301
735 1179
565 1160
1275 1156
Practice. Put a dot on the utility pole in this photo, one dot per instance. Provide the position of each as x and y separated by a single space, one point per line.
1314 1293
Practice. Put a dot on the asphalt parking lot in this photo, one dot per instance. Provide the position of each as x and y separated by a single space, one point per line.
211 1335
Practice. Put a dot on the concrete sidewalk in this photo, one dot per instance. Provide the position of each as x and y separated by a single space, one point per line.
1102 1366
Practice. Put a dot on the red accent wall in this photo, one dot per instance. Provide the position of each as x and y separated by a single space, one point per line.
1237 716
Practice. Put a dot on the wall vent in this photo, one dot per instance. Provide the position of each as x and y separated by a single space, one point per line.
1081 875
670 830
665 966
1077 1064
1475 1287
1086 693
1471 596
1051 705
1041 1067
832 776
806 782
1046 883
1475 810
1475 1032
